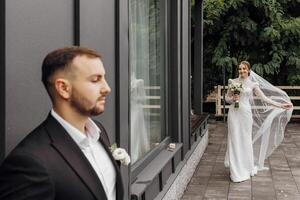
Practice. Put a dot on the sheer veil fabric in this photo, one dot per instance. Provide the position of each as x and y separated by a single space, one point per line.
269 120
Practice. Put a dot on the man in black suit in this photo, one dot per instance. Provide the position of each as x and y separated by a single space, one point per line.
67 157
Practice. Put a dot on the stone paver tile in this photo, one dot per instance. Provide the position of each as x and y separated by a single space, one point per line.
217 183
199 180
204 168
215 177
286 185
192 197
220 159
216 192
239 198
209 160
239 195
203 172
220 170
213 148
264 197
294 164
289 195
295 171
263 173
290 150
262 179
195 190
263 190
240 186
282 175
239 191
297 181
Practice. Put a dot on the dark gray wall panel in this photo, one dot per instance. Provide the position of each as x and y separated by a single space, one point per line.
97 31
166 173
153 189
176 160
33 28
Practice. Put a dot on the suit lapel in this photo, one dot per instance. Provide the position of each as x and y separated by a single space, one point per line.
73 155
106 144
119 182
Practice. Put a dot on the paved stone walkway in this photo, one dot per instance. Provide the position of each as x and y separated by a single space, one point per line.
282 181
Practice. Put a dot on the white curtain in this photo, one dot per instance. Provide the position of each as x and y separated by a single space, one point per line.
146 72
139 59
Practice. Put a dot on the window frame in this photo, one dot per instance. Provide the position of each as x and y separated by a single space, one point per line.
140 164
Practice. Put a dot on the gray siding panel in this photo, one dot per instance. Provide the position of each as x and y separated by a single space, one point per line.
166 173
33 28
97 31
153 189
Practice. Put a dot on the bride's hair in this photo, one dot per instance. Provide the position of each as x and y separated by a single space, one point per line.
244 62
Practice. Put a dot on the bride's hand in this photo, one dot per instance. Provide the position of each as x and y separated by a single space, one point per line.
236 97
286 106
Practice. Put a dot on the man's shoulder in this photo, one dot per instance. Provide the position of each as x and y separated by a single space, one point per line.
36 136
34 143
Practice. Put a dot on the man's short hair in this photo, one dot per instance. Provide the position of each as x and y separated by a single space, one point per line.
61 59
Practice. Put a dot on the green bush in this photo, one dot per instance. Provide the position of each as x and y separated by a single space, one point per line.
264 32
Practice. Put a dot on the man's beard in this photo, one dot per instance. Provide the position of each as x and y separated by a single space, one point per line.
84 106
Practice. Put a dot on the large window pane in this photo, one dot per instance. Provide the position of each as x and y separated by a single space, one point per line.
148 77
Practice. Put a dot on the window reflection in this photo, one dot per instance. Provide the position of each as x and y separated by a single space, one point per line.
147 69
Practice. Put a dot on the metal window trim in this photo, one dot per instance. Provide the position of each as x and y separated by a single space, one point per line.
2 78
76 23
145 179
122 86
198 60
141 164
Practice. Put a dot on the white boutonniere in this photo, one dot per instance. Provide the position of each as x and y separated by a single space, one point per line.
120 154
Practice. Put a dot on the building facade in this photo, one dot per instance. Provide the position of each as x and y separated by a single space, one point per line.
147 52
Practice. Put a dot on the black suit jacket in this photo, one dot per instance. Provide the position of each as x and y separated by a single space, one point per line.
48 164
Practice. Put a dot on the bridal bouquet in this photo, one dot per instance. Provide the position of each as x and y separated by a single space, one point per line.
236 88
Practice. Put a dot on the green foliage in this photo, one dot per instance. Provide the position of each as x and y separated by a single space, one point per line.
264 32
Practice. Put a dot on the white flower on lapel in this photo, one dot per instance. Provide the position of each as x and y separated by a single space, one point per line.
120 154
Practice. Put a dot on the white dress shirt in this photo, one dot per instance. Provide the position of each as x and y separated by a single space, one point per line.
94 152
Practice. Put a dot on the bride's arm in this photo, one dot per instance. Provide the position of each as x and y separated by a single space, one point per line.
229 97
263 97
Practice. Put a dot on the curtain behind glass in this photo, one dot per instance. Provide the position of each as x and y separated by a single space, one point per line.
146 70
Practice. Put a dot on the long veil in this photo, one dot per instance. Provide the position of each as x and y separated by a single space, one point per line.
269 121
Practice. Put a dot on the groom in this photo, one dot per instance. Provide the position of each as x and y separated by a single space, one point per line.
67 156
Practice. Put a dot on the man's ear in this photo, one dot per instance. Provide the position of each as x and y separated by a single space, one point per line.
63 88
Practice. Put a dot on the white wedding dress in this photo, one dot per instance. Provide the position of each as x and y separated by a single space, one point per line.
140 137
243 127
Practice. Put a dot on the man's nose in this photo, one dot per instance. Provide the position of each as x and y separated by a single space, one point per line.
105 89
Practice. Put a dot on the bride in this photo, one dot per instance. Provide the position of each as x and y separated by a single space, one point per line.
257 118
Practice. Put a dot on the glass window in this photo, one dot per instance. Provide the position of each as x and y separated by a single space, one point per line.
147 76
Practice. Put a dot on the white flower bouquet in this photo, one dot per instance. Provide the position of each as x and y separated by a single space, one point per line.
236 88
